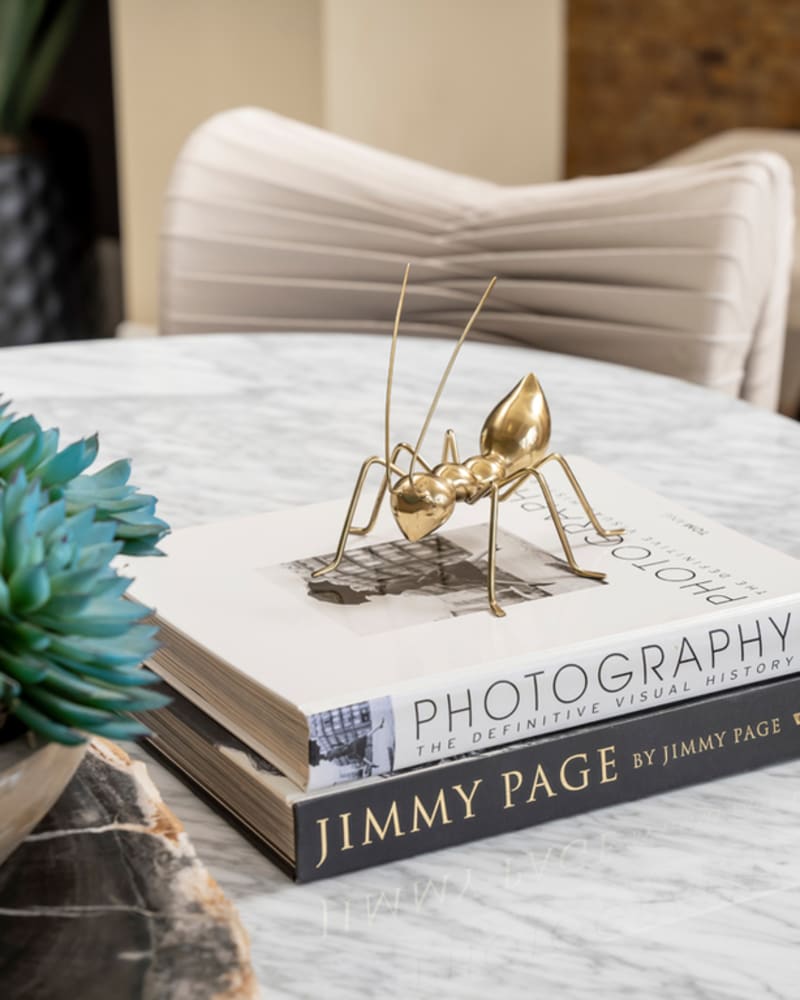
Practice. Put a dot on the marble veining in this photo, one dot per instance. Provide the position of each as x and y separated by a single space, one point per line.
691 894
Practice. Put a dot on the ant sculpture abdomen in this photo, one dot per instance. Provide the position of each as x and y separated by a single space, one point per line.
513 448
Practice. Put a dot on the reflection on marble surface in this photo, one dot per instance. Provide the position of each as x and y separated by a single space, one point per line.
692 894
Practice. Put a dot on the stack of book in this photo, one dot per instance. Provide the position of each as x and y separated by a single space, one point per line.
381 710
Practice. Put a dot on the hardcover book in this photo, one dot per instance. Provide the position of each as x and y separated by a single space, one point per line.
394 659
378 819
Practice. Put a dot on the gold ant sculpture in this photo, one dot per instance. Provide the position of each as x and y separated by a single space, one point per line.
513 444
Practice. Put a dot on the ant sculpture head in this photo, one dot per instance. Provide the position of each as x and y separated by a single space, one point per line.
421 503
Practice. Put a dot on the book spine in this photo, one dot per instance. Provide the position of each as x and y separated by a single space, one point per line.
549 778
510 702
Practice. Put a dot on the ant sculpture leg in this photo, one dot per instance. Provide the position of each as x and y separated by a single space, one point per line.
554 456
494 493
503 490
347 527
450 448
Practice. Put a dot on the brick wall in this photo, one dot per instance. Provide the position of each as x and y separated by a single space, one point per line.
646 78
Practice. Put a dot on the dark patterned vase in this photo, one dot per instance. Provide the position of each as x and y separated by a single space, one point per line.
46 280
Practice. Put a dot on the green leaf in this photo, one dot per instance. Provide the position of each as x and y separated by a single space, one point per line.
60 556
70 580
129 529
132 676
49 445
143 700
41 63
64 710
95 556
19 21
91 627
13 495
111 585
21 426
106 501
19 538
111 476
51 518
30 636
123 655
10 689
102 694
41 724
29 588
11 454
120 729
68 463
24 668
63 606
141 547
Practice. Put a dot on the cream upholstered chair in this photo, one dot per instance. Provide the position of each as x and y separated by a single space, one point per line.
274 225
786 143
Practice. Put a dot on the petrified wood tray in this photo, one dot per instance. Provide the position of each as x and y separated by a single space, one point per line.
106 898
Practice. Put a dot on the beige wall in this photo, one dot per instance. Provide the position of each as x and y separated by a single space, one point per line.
471 85
475 86
176 62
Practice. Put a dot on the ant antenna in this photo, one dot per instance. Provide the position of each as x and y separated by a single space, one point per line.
446 374
390 376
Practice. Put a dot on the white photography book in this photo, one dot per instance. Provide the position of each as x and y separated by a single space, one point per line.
394 659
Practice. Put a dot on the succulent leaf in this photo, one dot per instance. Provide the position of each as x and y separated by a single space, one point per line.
70 462
12 452
42 724
29 587
100 694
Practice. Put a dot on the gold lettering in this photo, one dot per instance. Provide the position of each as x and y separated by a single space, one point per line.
540 781
507 776
419 810
705 743
347 844
764 727
608 765
469 814
323 841
370 823
583 772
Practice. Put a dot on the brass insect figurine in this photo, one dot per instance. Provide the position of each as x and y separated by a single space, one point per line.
513 449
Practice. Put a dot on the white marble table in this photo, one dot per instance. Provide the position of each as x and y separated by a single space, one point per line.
693 894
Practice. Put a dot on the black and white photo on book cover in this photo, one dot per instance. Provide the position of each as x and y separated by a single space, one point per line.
397 584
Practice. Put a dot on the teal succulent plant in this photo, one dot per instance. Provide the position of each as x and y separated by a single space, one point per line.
71 645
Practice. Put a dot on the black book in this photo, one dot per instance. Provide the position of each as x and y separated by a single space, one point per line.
384 818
